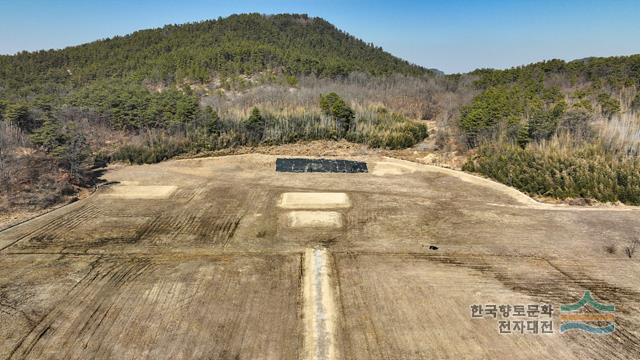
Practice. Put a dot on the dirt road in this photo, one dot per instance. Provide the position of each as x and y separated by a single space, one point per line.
225 258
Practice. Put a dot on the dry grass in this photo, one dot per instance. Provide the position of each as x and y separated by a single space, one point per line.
621 134
375 128
563 169
416 98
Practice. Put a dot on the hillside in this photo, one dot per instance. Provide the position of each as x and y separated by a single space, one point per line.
553 129
559 129
155 94
615 71
239 44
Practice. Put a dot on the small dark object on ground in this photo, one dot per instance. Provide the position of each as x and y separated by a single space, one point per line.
631 249
433 247
320 165
611 249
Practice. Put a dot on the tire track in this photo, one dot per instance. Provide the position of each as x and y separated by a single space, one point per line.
206 225
56 228
59 329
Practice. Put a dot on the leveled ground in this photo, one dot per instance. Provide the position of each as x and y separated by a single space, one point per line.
222 258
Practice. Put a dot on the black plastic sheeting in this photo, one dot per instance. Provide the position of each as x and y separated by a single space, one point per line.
320 165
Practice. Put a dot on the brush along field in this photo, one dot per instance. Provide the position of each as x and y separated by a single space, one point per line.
224 258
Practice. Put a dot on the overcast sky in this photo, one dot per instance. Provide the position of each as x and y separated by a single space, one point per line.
452 35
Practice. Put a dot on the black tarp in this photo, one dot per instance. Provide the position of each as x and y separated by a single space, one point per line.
320 165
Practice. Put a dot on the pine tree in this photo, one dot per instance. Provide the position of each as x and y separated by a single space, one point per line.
343 115
327 101
212 121
75 155
18 114
523 134
50 137
333 105
255 125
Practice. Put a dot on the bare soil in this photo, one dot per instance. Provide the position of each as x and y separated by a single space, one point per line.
212 269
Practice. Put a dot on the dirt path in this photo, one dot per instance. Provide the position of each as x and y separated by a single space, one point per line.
319 307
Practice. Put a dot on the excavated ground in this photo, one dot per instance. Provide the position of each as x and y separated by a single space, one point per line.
224 258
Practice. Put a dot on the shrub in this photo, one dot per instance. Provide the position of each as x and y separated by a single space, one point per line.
31 179
582 172
384 130
334 106
327 101
211 120
576 122
255 126
210 132
151 151
292 81
583 104
608 105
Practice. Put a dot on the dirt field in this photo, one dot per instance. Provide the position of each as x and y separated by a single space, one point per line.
223 258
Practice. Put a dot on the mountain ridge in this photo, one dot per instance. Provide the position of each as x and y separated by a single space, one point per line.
291 44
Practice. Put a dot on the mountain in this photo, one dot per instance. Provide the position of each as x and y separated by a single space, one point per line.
219 84
615 71
238 44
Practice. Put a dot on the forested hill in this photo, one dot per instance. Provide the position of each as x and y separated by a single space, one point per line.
238 44
614 72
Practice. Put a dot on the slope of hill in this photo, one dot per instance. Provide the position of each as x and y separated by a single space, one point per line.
239 44
158 93
559 129
551 128
615 71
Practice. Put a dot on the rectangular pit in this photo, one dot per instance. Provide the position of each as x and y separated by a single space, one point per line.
314 219
141 192
314 200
